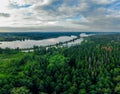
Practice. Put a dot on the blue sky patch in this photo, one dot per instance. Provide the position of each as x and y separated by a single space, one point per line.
20 6
75 18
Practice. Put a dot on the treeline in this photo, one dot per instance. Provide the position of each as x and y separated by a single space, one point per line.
34 35
90 68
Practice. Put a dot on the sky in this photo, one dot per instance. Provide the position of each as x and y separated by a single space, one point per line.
60 15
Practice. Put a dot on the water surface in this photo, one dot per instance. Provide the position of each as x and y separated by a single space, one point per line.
31 43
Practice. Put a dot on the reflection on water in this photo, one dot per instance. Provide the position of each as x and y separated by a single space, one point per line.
31 43
78 41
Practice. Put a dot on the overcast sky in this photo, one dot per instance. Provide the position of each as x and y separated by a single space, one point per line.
59 15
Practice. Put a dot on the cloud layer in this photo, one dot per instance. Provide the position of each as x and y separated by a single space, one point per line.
60 15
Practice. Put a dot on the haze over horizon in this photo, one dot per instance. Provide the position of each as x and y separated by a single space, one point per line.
60 15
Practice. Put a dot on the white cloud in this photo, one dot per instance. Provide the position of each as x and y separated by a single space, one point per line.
59 15
104 1
4 6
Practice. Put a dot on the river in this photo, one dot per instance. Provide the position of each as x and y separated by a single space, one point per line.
30 43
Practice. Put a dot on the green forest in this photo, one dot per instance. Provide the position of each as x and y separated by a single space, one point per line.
92 67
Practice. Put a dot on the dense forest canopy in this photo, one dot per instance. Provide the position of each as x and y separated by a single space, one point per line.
93 67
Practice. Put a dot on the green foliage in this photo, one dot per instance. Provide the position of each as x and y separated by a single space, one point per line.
20 90
90 68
